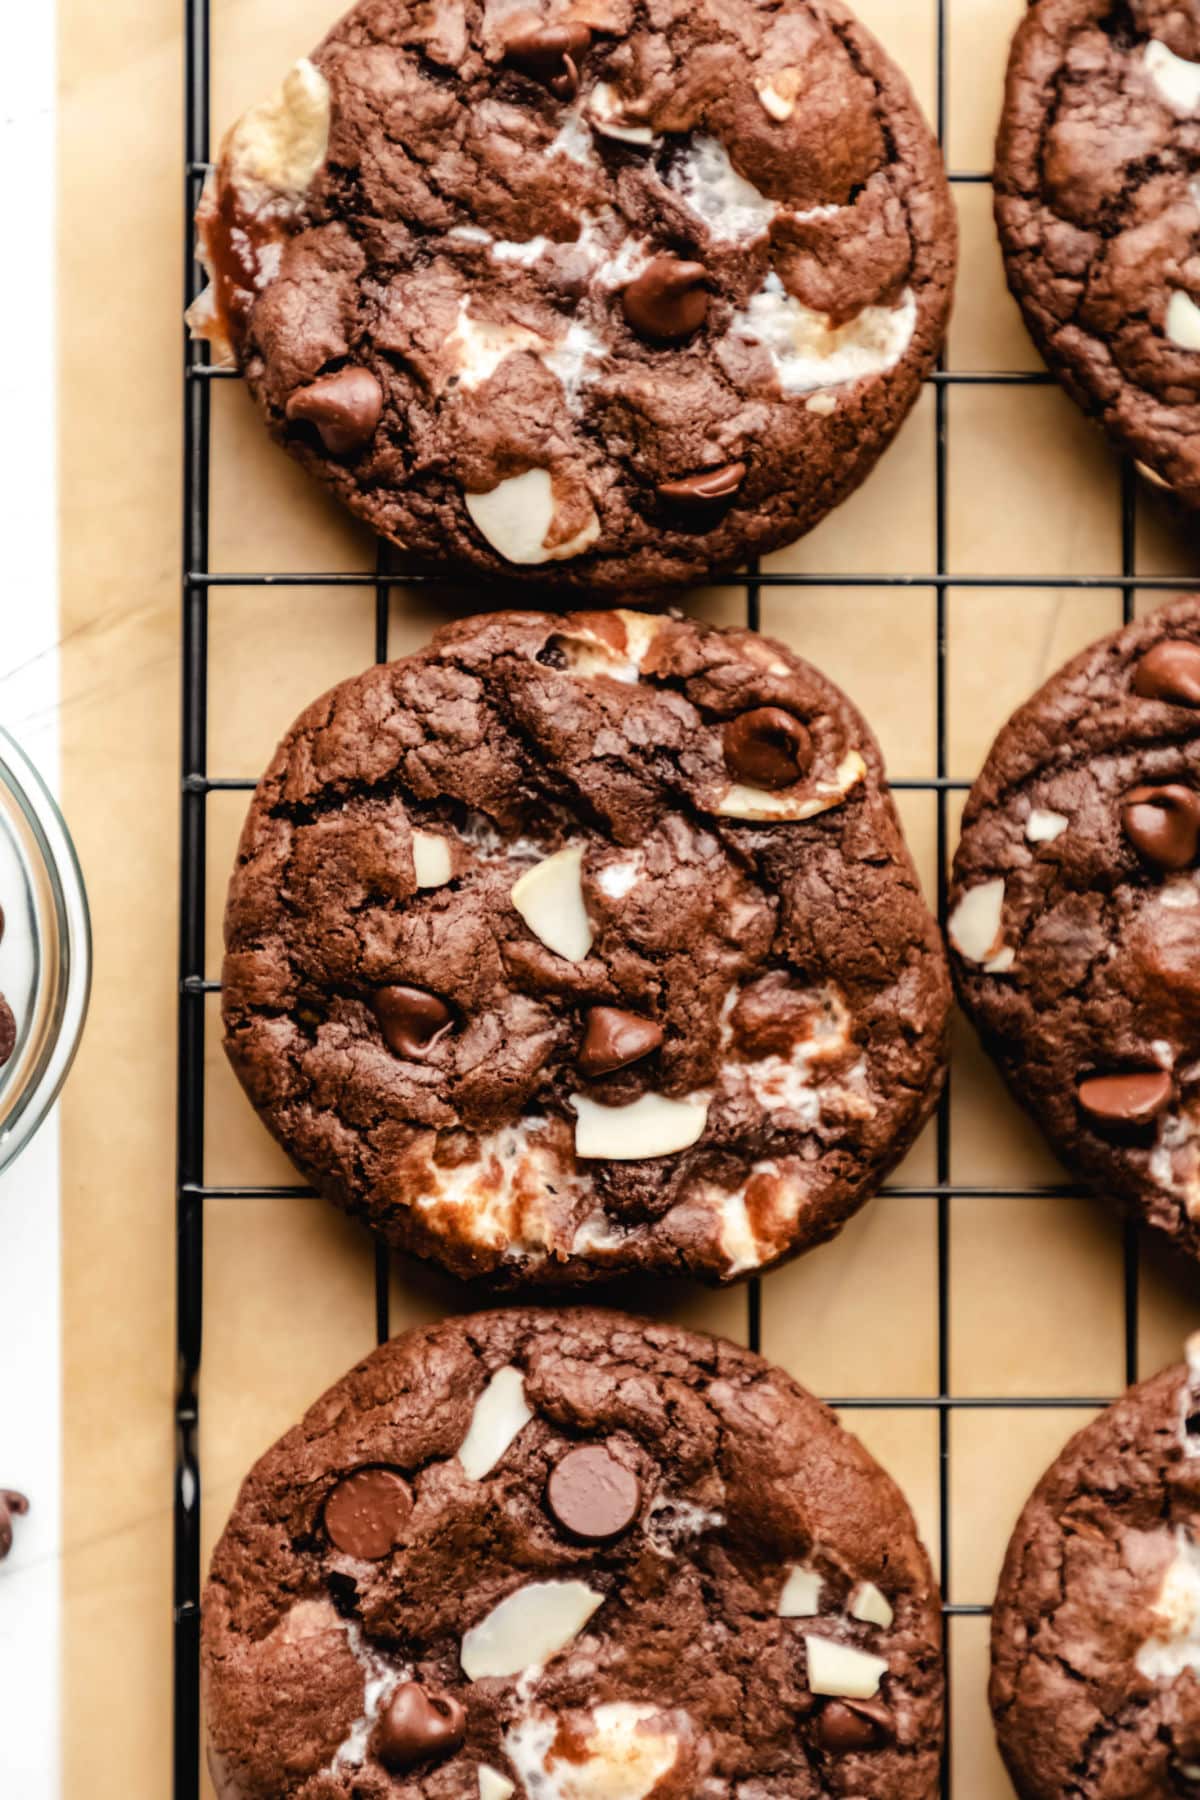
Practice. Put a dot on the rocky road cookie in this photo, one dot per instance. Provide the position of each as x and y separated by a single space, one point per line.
579 946
567 1556
606 294
1096 1630
1098 204
1075 914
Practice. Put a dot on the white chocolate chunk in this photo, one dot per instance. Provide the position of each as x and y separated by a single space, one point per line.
641 629
975 926
809 351
622 1759
1042 827
1002 962
501 1414
549 897
1176 79
618 879
842 1670
477 347
527 1628
824 405
610 119
779 92
1183 321
516 518
432 861
742 802
281 143
650 1126
870 1606
493 1785
801 1596
1175 1646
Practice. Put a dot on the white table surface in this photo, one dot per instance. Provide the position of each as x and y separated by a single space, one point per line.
30 1412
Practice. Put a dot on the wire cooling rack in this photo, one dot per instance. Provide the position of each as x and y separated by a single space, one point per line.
197 785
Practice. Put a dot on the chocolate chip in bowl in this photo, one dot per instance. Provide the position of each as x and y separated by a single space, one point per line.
12 1506
45 950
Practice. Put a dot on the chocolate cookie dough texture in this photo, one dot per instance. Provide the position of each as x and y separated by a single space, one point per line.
570 1556
1096 1629
1075 915
576 946
598 294
1098 205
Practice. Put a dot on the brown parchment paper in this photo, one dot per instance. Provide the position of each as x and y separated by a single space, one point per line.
1035 1300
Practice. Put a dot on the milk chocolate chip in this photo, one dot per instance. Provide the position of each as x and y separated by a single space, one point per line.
12 1505
668 301
849 1725
344 407
767 748
549 53
592 1496
416 1727
1125 1099
366 1513
705 489
412 1019
1170 671
1163 824
614 1039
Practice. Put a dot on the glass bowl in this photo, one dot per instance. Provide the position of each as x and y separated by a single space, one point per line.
45 950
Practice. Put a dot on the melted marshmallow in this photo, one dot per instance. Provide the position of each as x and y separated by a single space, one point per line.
808 352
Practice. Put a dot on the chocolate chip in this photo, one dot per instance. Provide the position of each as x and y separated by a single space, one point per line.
345 409
706 488
1125 1099
593 1496
8 1031
668 301
412 1019
614 1039
1170 671
549 54
849 1725
12 1505
416 1727
1163 824
366 1513
768 748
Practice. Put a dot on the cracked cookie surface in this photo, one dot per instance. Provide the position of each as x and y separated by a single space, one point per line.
1096 1628
577 946
607 295
1074 917
1098 206
559 1556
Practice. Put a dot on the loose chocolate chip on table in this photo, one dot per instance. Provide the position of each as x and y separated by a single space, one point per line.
847 1725
706 488
550 54
1125 1099
417 1726
412 1019
668 301
12 1505
1163 824
615 1038
365 1515
592 1495
8 1031
344 407
1171 671
768 748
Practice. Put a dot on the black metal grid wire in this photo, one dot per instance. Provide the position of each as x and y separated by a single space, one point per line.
192 1192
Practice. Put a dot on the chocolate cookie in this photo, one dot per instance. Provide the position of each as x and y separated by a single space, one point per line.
1075 914
1096 1630
574 946
607 295
564 1556
1098 206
